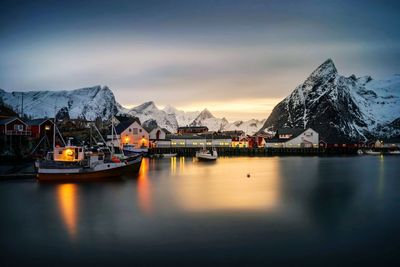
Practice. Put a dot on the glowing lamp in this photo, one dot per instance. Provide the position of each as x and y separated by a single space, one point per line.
69 152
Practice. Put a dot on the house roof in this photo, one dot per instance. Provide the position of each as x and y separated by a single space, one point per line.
7 121
127 119
294 132
125 122
233 134
166 131
192 127
184 136
37 121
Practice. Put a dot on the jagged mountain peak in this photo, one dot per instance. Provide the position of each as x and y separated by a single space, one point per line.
325 71
339 107
206 114
149 105
170 109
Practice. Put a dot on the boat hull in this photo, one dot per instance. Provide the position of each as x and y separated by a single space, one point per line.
206 157
133 165
82 176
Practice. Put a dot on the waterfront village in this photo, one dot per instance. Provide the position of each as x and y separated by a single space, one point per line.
22 137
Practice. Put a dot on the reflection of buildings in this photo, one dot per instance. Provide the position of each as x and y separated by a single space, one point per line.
144 188
225 186
66 194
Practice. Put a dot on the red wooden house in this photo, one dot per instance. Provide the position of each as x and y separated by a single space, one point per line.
40 127
14 126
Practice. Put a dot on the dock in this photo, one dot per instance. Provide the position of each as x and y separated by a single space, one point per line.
234 151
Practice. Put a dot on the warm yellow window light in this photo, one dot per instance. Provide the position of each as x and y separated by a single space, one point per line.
69 152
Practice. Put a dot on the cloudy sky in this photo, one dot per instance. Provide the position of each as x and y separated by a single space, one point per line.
237 58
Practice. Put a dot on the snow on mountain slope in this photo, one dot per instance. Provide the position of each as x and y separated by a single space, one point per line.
97 102
205 118
88 103
183 118
341 108
149 111
249 127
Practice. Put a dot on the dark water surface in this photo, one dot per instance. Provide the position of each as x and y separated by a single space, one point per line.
290 211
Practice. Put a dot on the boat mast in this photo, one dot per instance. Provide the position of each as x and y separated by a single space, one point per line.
54 128
112 128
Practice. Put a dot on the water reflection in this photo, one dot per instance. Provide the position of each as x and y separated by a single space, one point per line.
225 186
66 195
381 182
144 188
173 165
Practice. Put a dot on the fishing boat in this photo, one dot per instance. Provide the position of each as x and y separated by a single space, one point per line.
133 161
205 154
77 163
73 163
372 152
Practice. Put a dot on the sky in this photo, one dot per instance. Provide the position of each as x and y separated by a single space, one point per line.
236 58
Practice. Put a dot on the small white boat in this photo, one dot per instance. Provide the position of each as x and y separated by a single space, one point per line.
169 155
394 152
360 152
371 152
165 155
206 154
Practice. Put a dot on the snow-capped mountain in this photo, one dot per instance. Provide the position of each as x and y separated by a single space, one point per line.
88 103
249 127
205 118
149 111
97 102
341 108
183 118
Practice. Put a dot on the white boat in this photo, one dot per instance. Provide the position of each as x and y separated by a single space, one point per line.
206 154
394 152
371 152
165 155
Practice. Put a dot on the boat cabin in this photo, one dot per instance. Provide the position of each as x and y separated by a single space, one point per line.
69 154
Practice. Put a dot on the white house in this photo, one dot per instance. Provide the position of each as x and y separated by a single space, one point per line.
293 138
130 132
158 133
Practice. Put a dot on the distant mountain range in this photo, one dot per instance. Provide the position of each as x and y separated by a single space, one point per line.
341 108
97 102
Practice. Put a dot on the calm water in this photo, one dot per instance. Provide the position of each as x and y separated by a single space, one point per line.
291 210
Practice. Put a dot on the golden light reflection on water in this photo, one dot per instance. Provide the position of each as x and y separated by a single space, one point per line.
144 188
224 185
173 165
66 195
